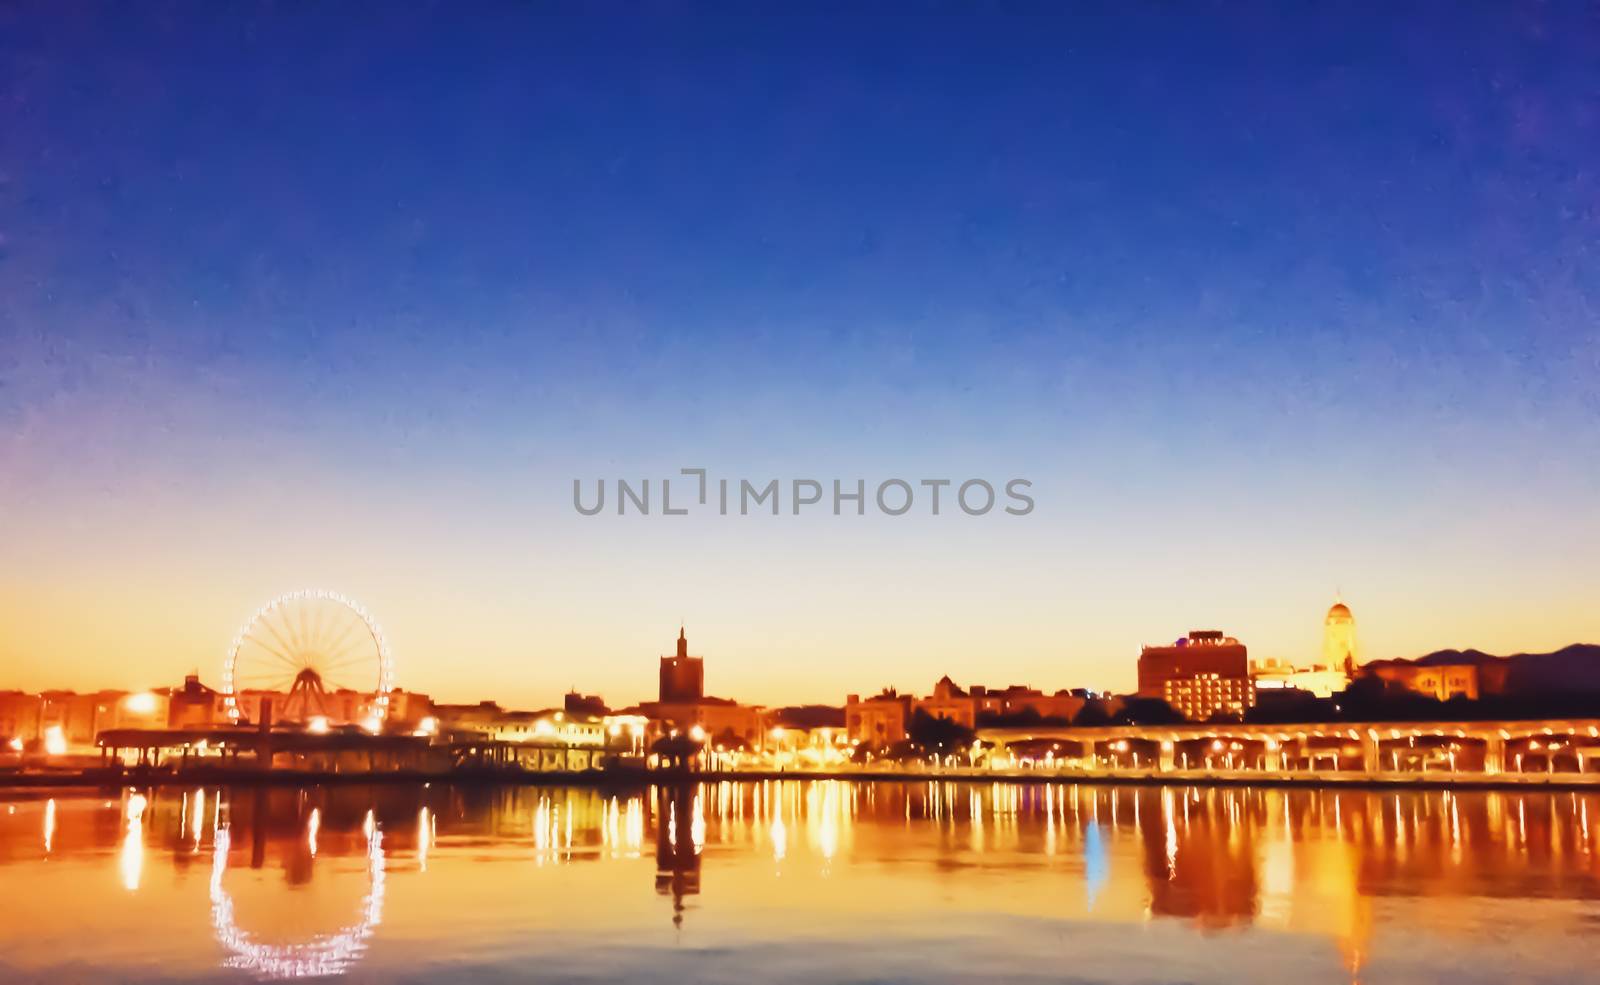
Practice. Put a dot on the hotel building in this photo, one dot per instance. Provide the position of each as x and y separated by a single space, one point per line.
1199 675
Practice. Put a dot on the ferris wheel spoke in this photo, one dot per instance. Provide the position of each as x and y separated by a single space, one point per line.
351 652
314 621
289 647
294 622
338 643
308 621
261 672
340 674
327 628
270 649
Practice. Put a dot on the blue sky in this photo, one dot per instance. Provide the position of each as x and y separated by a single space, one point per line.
1265 300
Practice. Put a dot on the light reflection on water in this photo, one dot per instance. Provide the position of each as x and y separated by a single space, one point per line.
799 880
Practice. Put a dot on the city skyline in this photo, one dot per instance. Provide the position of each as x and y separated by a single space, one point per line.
1263 305
831 693
791 493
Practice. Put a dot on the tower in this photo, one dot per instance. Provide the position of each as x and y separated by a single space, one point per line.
1339 639
682 676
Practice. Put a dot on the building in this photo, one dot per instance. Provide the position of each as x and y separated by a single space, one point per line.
1280 675
807 735
1321 680
548 726
19 719
878 721
1436 680
950 702
475 719
1198 697
882 719
585 704
1339 640
408 711
340 707
1019 699
683 707
1200 675
683 678
194 705
403 712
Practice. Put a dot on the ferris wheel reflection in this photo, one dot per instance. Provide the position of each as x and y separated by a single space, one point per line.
325 955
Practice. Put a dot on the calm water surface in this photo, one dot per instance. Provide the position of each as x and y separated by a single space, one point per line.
800 881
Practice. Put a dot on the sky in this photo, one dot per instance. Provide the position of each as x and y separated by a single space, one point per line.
1269 304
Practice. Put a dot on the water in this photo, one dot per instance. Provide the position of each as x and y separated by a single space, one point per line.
800 881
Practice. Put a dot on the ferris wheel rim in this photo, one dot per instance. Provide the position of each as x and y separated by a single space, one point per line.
325 954
385 659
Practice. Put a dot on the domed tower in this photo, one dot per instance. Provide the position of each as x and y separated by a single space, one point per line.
1339 639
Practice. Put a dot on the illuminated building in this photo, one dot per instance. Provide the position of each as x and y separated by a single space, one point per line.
1199 675
19 716
625 733
78 718
1199 696
951 703
1019 698
550 725
194 705
879 720
1442 680
1322 680
1339 640
1319 681
407 710
477 718
340 707
809 735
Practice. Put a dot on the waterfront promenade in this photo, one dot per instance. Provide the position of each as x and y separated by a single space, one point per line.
1563 753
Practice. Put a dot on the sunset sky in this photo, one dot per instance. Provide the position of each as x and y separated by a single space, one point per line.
1265 305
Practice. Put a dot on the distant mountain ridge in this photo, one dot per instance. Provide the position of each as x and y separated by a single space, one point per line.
1575 667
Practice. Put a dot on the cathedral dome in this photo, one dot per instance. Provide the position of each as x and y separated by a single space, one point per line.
1339 611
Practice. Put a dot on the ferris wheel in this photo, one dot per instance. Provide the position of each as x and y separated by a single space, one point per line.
324 955
309 644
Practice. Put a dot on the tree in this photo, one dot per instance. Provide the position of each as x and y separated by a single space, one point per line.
1146 711
937 735
1093 713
